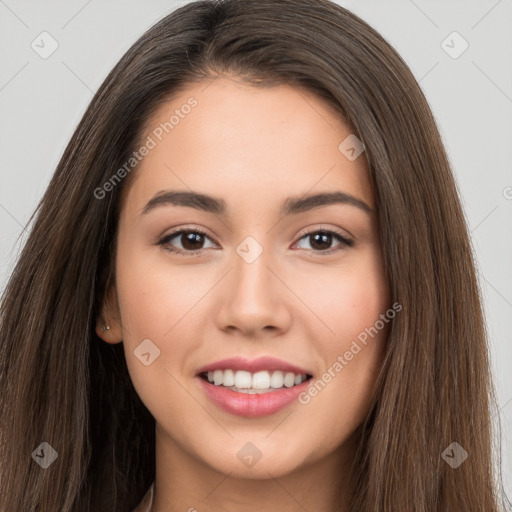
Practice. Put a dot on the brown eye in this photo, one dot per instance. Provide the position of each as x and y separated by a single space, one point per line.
321 240
191 240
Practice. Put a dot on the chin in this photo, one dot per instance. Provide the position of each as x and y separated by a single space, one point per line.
258 460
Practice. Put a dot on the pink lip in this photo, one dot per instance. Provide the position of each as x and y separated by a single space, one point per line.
252 406
254 365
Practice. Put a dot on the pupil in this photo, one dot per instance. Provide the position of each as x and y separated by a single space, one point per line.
189 237
324 237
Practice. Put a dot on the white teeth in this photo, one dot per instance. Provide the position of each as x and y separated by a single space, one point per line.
289 380
277 379
229 378
261 380
218 377
243 379
248 382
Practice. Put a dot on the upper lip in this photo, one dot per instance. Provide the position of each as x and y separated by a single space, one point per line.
253 365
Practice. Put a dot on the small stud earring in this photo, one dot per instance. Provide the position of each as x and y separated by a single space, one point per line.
105 328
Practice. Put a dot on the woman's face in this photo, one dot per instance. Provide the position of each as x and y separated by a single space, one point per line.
271 274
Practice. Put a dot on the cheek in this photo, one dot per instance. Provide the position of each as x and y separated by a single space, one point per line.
162 302
347 298
353 354
154 295
362 332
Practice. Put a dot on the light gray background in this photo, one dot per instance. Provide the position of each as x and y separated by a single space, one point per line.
42 100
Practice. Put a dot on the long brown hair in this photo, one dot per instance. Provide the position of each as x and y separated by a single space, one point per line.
61 384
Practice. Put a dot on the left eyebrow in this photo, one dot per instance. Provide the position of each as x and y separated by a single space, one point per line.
184 198
302 204
218 206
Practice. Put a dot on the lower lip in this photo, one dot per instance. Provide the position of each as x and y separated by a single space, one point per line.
252 406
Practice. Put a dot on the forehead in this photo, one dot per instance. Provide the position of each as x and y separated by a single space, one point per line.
244 143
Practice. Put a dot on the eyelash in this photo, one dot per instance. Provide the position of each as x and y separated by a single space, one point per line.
345 242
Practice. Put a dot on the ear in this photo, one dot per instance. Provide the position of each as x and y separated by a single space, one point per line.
108 324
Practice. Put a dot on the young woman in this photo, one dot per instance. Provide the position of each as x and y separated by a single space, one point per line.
249 286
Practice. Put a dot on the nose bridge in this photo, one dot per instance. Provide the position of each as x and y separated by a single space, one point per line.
252 299
251 275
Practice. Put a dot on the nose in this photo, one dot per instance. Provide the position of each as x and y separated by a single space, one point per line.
253 299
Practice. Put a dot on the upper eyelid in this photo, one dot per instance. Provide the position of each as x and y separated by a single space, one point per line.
179 231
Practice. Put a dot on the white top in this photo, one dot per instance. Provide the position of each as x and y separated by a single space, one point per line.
147 502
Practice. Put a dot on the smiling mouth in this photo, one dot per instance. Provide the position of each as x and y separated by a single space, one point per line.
254 383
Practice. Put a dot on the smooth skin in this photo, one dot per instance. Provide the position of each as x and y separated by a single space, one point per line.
253 148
